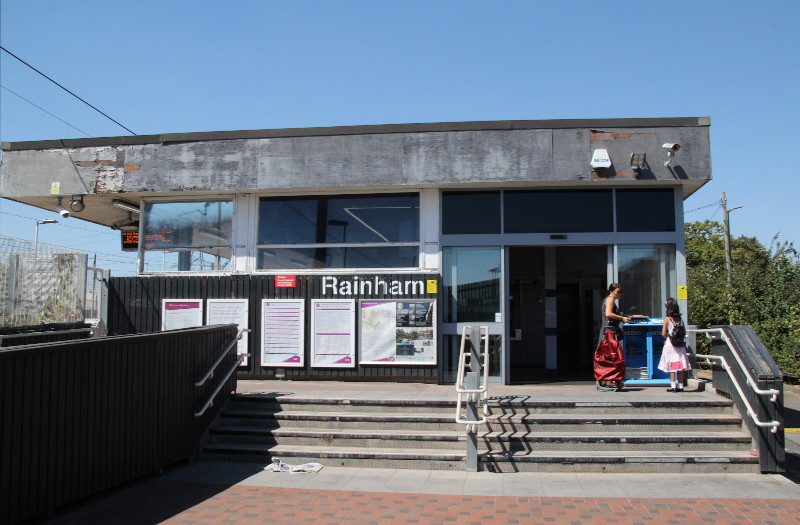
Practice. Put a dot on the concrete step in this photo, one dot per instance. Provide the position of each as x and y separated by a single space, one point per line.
340 438
642 422
277 404
498 406
360 457
537 442
509 422
546 461
488 441
622 461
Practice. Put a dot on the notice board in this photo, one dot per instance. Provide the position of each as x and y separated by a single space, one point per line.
283 336
333 338
398 332
230 311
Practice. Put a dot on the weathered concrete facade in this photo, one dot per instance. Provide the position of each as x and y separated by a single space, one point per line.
472 154
536 285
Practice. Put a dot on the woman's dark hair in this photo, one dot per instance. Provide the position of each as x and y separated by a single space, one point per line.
673 310
613 286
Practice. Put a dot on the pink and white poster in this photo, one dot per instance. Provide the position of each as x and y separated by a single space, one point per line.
283 337
230 311
333 338
181 313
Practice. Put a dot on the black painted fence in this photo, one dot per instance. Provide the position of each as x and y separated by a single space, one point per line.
80 417
767 375
44 333
134 306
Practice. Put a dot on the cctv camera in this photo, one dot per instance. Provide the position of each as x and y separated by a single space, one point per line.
672 147
62 211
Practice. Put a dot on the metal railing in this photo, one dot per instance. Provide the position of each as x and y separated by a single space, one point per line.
239 359
773 425
475 384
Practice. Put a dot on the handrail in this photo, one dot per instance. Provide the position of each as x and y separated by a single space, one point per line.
750 412
38 334
210 401
473 394
210 372
750 381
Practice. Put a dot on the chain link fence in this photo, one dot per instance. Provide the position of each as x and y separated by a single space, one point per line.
41 284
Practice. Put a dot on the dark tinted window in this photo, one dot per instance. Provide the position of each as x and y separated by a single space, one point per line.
645 211
558 211
338 257
339 219
470 212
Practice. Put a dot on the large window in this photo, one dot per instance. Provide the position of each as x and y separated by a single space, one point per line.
470 212
558 211
471 284
645 211
341 231
647 275
187 236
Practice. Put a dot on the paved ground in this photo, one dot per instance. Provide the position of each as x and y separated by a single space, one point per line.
242 493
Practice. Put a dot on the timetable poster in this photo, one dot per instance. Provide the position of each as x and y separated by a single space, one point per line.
283 339
230 311
181 313
333 339
398 332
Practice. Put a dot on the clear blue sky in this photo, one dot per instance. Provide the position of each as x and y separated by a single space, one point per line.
182 66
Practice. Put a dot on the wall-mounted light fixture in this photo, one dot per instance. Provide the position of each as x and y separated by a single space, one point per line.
638 161
126 224
125 205
76 203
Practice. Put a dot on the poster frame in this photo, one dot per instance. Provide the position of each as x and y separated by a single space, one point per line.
350 356
242 321
197 319
301 362
434 333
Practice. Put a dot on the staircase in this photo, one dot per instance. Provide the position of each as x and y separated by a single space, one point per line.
685 433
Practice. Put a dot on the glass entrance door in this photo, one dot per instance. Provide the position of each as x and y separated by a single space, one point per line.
472 279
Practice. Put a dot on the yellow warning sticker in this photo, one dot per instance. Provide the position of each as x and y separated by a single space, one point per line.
432 286
683 292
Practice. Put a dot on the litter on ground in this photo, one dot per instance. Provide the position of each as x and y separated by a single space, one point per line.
279 466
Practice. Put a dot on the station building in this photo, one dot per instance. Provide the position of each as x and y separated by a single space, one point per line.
358 253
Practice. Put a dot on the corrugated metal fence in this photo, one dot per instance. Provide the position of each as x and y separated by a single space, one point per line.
80 417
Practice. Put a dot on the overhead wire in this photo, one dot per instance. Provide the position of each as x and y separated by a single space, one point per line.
68 91
41 108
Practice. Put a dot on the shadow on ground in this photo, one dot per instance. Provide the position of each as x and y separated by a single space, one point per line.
152 499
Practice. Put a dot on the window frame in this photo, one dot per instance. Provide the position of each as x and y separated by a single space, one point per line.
418 244
143 251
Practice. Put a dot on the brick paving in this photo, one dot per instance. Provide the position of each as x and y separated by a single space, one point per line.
177 502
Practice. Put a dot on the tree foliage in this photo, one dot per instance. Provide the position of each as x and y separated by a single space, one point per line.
765 292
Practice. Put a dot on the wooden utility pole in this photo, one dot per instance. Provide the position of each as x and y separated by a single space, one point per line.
728 258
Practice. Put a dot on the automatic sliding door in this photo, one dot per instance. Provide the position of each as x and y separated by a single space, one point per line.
472 280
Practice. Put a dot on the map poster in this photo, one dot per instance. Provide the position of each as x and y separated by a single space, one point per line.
230 311
333 340
181 313
398 332
283 339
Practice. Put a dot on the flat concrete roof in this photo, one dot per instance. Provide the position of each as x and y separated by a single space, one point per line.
360 130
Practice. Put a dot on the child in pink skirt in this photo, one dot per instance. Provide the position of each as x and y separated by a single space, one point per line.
673 359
